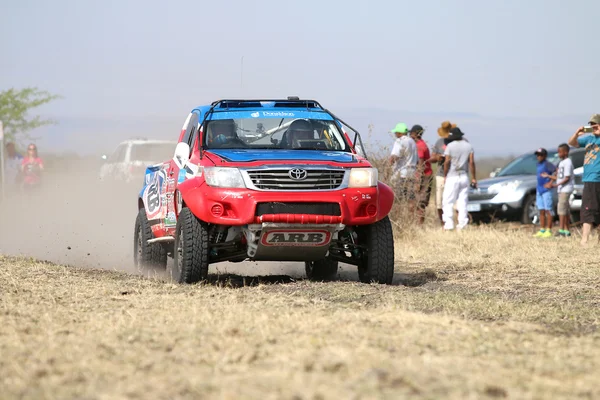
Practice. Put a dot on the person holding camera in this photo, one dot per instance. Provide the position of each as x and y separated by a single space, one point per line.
590 202
459 162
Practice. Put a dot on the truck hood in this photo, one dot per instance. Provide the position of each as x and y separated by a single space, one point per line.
240 155
485 183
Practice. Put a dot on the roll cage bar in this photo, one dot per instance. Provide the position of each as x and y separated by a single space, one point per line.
290 102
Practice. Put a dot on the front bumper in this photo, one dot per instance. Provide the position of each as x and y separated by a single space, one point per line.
237 207
503 203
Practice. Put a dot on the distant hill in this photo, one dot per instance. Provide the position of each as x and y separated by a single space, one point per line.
491 136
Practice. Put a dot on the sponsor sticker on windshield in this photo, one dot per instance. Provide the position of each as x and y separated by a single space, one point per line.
287 114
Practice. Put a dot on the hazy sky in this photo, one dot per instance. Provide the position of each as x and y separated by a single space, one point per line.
533 58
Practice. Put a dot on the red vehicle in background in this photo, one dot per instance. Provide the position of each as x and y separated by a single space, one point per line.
265 180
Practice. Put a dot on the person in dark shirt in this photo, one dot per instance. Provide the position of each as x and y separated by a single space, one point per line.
424 172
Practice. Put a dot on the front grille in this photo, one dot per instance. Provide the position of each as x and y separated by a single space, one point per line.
279 179
298 208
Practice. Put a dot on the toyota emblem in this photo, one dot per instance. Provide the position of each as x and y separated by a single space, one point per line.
298 174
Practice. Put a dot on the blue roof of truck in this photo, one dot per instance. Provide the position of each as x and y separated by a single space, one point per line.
236 109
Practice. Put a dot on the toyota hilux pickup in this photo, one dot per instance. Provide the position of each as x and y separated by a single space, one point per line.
265 180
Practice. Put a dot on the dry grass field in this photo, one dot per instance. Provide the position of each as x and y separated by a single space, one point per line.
486 313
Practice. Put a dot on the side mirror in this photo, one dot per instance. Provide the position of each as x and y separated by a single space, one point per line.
182 154
495 172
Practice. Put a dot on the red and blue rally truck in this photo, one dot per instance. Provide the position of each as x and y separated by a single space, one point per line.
265 180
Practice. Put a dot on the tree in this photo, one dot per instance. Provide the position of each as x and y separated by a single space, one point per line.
14 110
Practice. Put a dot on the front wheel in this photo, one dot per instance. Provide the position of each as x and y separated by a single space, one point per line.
190 264
377 264
530 211
321 270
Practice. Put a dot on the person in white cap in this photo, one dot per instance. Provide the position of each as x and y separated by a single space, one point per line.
459 162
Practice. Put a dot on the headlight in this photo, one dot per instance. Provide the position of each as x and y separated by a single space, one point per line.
223 177
498 187
362 177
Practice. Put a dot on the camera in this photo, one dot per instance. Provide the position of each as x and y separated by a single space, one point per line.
588 129
473 185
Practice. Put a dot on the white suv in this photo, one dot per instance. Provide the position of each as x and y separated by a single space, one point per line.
129 160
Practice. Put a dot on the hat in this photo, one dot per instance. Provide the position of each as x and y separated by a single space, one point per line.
418 129
541 152
400 128
455 133
444 130
595 119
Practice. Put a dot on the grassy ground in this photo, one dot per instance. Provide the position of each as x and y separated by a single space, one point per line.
480 314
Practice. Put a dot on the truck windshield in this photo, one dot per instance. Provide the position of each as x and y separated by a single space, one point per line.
274 133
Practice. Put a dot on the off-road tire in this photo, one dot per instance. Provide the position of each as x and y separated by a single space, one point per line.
190 264
146 256
377 264
525 217
321 270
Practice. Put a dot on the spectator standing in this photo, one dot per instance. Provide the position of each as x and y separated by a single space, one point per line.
459 162
32 167
544 198
590 202
563 181
424 172
404 160
438 157
12 166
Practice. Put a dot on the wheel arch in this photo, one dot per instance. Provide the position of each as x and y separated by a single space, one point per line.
385 200
191 198
530 192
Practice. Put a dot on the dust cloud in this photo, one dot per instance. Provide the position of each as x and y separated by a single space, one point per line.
73 219
77 219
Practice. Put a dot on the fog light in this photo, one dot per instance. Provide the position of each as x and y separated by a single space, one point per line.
217 210
371 210
504 207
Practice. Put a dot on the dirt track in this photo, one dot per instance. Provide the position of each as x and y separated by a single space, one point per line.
78 221
487 315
